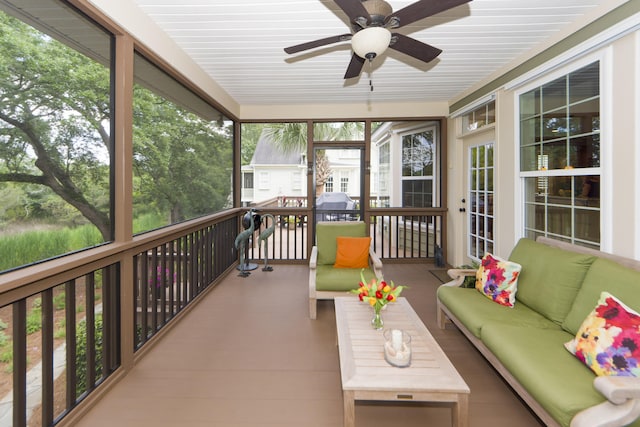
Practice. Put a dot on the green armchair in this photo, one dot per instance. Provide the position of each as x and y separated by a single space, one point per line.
325 280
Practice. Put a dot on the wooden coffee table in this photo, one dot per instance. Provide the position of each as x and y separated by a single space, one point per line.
367 376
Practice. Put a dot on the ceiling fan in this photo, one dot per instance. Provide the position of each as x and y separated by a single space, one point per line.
372 22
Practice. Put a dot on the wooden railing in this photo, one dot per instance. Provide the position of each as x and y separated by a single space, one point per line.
95 310
403 234
170 275
77 320
409 234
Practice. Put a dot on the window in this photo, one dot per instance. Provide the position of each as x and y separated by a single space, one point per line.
383 174
480 117
328 185
263 177
560 157
182 151
296 179
418 152
55 133
248 180
344 184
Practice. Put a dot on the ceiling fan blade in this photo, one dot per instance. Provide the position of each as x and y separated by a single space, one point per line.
414 48
355 67
317 43
354 9
421 9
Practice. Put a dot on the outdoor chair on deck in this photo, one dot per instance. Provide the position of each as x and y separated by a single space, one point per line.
342 250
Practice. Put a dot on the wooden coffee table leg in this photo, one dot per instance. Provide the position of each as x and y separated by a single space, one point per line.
460 416
349 408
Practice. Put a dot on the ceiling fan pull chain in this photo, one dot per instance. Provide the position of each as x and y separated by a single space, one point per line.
370 75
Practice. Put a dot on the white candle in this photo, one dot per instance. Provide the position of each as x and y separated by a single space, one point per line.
396 339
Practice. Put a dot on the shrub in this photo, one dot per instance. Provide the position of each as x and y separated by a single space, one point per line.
34 320
59 301
4 339
81 354
6 356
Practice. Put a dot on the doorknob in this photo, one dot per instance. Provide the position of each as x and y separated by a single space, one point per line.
463 210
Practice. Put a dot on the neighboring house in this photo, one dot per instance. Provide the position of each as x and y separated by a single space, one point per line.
273 173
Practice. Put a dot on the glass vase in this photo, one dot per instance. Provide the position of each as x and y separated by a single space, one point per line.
377 323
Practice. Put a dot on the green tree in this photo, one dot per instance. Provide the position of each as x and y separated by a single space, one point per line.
55 146
249 135
181 160
54 114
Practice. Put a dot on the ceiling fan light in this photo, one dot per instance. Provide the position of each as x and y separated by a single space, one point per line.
370 42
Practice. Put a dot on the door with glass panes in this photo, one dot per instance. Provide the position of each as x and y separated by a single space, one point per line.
480 200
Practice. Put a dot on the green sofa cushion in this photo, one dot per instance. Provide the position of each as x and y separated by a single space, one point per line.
550 277
326 233
604 275
474 310
558 381
339 279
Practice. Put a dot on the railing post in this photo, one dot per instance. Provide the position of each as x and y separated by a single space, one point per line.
128 322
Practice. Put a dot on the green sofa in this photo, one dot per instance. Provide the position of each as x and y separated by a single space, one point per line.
558 286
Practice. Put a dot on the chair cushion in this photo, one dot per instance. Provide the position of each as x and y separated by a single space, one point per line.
327 233
352 252
340 279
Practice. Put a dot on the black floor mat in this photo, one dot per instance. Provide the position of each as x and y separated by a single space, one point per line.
441 275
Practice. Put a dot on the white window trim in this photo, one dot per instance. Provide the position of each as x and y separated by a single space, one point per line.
606 114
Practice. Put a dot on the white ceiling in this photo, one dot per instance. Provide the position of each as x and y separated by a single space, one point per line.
240 43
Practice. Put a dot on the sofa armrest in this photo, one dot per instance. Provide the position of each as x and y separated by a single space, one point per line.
458 275
618 389
313 259
621 408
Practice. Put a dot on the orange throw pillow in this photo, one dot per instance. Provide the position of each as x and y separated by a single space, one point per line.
352 252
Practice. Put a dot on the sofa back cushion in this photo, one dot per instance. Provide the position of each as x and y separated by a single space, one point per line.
327 233
550 278
604 275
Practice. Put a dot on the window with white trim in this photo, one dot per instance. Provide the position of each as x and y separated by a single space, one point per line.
560 157
344 184
328 185
418 155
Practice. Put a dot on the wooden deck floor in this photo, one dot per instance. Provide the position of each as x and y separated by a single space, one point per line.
248 355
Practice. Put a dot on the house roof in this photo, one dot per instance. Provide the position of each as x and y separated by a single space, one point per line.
268 153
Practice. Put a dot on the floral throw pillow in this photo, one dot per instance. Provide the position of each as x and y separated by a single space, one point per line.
608 340
497 279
